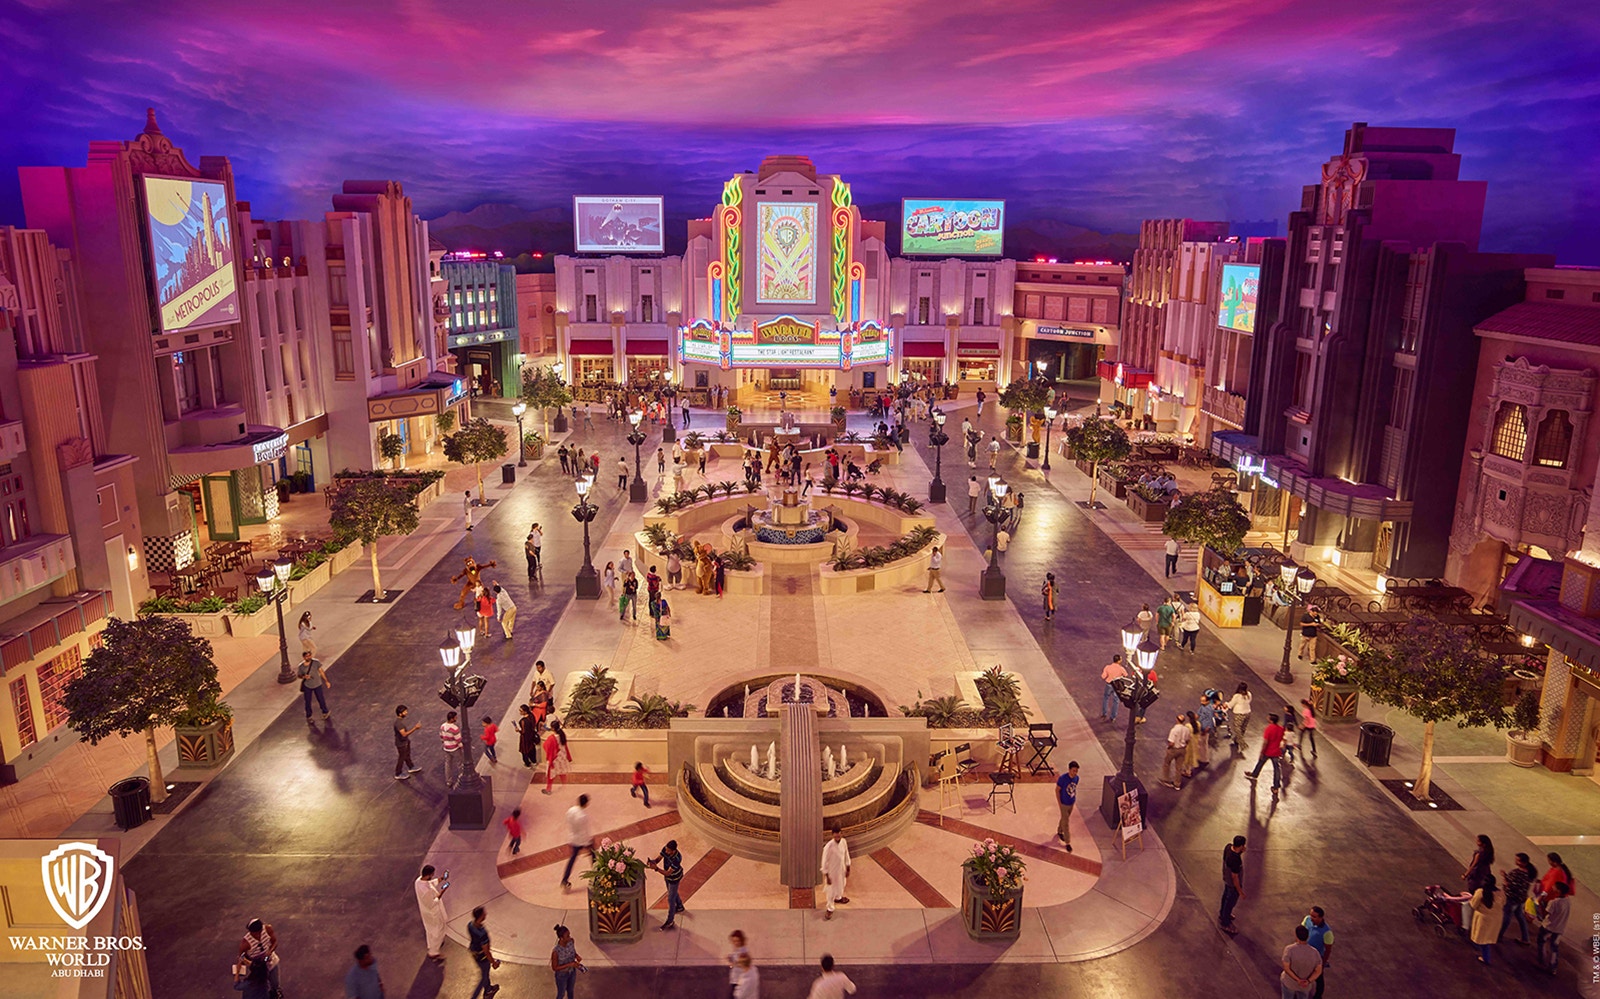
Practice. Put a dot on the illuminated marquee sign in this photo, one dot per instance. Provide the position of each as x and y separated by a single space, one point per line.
785 341
1250 465
699 350
1070 332
785 330
271 449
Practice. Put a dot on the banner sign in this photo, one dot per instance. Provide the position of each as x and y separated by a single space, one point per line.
617 225
957 227
1070 332
191 252
785 330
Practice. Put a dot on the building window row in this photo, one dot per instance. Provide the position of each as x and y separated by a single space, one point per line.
1550 448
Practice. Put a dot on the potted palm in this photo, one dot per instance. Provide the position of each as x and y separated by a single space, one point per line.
991 891
616 894
204 732
1523 743
735 415
1334 692
838 413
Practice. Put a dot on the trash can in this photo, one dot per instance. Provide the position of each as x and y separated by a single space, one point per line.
508 473
130 801
1373 744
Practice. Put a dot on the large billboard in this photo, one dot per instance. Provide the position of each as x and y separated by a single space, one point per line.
1237 307
617 225
786 270
191 252
952 227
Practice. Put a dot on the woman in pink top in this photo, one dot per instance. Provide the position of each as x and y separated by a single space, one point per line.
1308 726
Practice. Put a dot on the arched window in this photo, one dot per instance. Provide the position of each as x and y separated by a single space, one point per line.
1511 431
1555 440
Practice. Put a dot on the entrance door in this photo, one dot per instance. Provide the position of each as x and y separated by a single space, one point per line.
217 492
783 379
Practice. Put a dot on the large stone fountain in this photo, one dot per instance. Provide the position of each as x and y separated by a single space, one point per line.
791 521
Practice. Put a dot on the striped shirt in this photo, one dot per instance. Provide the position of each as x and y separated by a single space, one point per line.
450 735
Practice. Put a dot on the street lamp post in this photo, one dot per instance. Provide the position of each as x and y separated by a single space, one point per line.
471 797
938 438
992 584
588 582
669 393
1298 581
274 585
637 493
1137 694
561 416
522 438
1049 421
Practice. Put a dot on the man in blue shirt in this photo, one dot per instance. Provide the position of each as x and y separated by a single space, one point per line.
362 981
1322 939
1067 796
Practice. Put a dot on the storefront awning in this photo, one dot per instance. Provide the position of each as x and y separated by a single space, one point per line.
1334 495
258 445
1124 375
985 350
645 348
589 348
924 348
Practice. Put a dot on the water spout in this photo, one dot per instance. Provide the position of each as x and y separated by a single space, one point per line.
755 760
844 757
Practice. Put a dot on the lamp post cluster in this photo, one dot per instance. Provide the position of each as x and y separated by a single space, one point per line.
274 585
471 797
588 581
1298 581
1136 693
938 438
522 438
637 493
992 584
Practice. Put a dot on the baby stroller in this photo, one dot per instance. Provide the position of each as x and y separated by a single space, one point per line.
1224 729
1440 912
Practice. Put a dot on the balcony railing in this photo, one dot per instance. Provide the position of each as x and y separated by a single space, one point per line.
1224 405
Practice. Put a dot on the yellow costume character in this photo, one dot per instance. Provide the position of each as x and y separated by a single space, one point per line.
471 573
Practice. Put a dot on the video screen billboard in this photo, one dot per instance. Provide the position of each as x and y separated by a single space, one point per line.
617 225
952 227
1237 310
787 256
191 252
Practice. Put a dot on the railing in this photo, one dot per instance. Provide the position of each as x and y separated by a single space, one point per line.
1224 405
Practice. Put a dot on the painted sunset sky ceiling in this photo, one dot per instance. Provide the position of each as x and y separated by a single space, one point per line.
1089 114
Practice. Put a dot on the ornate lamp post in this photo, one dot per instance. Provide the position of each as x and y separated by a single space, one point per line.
588 582
522 438
471 797
1298 581
992 584
1049 421
637 493
1136 693
274 585
561 417
938 438
669 393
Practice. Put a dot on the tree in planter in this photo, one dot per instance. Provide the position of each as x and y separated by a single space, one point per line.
1098 439
477 442
150 672
543 388
1213 519
368 509
1030 396
391 446
1437 674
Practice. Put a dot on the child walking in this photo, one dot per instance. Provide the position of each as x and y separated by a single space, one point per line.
639 786
513 826
491 734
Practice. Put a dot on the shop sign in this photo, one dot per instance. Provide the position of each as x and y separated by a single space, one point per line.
981 350
785 331
1069 332
1250 465
271 449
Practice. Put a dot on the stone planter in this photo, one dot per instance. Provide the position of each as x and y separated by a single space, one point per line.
1336 702
622 922
1086 467
1117 488
245 625
300 590
733 424
1522 751
1149 511
535 450
990 917
205 746
344 558
205 624
1014 433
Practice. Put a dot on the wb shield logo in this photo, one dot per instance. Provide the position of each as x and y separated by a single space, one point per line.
77 880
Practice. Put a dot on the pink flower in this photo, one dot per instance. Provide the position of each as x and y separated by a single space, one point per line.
605 841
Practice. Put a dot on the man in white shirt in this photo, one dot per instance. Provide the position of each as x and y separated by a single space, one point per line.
506 609
578 837
466 508
1177 744
835 869
1172 556
994 451
974 490
935 563
831 984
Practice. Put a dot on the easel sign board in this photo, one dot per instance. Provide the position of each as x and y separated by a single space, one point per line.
1129 819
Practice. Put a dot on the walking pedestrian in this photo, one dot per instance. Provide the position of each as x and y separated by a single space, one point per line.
565 963
835 870
1048 592
994 452
252 980
661 461
609 579
513 824
652 587
1177 745
973 492
1111 673
1271 749
1190 625
566 461
490 737
1067 797
625 567
669 864
466 508
588 418
430 891
558 757
536 545
1302 966
746 979
1320 936
527 736
833 984
313 682
482 953
362 981
622 474
981 396
736 950
1557 909
1172 557
594 462
1481 867
640 772
1232 883
1144 618
935 563
663 620
539 704
403 767
1558 873
700 461
1191 749
1206 717
579 838
1310 621
1165 615
1482 932
307 643
450 741
630 595
260 943
674 570
1308 727
1239 713
506 608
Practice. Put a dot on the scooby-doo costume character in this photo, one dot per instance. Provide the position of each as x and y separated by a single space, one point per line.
470 572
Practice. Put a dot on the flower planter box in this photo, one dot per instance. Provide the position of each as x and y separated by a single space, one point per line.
990 917
205 746
300 590
1111 484
209 625
245 625
344 558
622 922
1014 433
733 424
1086 467
1149 511
535 451
1521 751
1336 702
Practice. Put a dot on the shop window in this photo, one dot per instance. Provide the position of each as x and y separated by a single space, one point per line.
344 355
924 310
1555 440
979 312
591 309
53 679
22 709
1511 431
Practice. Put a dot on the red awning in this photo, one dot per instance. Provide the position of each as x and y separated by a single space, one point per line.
924 348
589 348
1125 375
646 348
977 350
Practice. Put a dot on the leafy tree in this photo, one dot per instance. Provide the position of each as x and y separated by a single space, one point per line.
1029 396
1434 672
445 421
368 509
543 388
477 442
149 673
391 446
1214 519
1098 439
